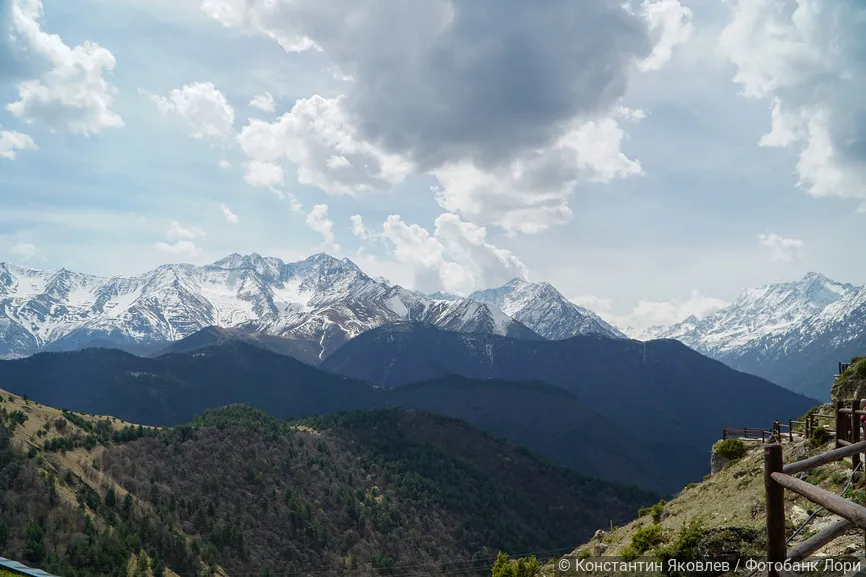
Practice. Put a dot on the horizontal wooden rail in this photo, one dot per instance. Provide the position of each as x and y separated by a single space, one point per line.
824 458
830 501
845 410
815 542
845 443
746 432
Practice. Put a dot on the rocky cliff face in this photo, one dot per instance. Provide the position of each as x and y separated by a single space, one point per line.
851 384
717 462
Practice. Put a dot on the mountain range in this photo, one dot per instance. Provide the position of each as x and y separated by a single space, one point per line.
617 409
320 302
791 333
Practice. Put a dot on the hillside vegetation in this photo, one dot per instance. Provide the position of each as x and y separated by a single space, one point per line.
851 384
238 492
725 514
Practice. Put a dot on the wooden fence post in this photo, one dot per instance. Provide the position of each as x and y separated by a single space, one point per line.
724 433
839 427
790 430
855 432
775 498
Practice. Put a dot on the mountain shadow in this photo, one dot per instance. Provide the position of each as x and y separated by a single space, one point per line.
173 388
660 392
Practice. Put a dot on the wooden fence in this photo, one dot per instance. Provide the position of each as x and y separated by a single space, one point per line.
763 434
778 477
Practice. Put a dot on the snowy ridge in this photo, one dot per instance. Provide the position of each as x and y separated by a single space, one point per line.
790 333
772 310
321 299
543 309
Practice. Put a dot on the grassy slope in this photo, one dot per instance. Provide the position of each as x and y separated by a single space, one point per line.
733 500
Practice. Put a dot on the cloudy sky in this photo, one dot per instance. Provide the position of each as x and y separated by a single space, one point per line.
650 160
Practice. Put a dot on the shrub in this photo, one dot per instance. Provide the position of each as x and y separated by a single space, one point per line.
628 553
731 449
523 567
655 511
686 544
819 437
858 367
647 538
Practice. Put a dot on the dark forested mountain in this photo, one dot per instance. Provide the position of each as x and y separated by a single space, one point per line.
239 492
660 391
603 406
548 419
302 349
173 388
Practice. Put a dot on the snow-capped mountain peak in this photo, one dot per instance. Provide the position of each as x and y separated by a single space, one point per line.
772 329
542 308
321 299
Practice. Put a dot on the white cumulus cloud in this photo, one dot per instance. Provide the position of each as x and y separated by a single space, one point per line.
264 174
647 313
532 193
806 59
671 25
11 142
593 303
231 217
71 93
203 109
180 240
177 232
455 258
181 247
264 102
319 140
317 220
781 249
358 228
25 251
